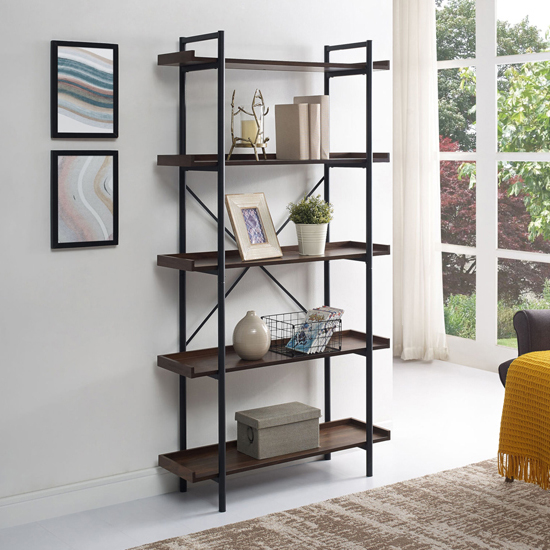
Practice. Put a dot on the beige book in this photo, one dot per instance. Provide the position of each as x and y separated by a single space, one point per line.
314 131
292 131
324 102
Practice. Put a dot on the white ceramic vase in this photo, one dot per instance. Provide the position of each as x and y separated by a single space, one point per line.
311 238
251 337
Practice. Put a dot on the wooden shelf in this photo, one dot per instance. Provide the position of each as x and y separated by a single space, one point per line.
204 362
207 262
210 162
201 463
189 59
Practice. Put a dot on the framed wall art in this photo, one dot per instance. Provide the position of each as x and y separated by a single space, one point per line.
253 227
84 198
84 90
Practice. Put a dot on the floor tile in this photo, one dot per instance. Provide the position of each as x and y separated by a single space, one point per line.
83 531
30 537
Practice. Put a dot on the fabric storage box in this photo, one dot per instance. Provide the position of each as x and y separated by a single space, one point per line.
277 430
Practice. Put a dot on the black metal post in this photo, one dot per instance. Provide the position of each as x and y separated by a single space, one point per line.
326 267
221 274
369 357
182 274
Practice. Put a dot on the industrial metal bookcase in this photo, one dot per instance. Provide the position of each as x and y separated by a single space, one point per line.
216 461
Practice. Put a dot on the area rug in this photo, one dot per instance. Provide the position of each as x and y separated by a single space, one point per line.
468 508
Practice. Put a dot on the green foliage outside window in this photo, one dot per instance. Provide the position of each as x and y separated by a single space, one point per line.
524 187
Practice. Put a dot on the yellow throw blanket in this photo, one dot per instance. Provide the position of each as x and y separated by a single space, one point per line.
524 447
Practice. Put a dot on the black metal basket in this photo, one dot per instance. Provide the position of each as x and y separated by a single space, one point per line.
292 334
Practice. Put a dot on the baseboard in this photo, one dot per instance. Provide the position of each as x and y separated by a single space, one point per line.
87 495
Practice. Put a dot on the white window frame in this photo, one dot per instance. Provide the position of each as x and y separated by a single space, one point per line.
483 352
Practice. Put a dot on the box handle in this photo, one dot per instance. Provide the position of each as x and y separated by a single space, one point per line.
250 434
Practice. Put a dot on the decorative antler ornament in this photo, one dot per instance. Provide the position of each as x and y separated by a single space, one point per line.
252 130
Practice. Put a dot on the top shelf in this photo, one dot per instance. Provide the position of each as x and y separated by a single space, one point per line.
189 59
210 162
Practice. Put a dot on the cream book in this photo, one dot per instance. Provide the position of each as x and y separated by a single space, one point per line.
314 110
292 131
324 102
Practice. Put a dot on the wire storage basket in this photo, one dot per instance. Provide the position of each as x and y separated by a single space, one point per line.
297 333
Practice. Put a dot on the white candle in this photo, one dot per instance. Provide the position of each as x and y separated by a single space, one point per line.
249 130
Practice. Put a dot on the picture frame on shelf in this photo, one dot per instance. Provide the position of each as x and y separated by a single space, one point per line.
84 90
253 227
84 198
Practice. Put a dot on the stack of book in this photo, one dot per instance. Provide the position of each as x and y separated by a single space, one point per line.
302 128
317 330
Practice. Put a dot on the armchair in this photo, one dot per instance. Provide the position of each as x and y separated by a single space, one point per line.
533 331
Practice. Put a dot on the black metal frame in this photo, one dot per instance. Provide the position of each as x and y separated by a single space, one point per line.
54 197
368 208
55 133
222 231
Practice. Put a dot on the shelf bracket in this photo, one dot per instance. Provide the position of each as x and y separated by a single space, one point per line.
349 72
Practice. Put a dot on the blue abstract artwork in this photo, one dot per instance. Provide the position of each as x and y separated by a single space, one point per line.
85 89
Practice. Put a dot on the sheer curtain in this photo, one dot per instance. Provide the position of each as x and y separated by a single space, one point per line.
418 322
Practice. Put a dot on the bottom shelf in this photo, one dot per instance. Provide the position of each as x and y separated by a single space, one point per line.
201 463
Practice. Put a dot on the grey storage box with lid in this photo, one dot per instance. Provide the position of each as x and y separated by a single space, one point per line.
277 430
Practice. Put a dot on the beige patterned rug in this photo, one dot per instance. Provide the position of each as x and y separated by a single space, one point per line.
468 508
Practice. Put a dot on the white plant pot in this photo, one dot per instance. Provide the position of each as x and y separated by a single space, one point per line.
311 238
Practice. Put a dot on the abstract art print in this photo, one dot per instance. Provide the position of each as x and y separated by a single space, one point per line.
253 227
84 198
84 90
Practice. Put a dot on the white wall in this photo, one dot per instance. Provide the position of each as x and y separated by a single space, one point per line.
81 397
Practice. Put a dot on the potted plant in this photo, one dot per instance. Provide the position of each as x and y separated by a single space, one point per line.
311 217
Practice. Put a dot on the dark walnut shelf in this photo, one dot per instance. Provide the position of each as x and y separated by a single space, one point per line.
207 262
201 463
210 162
189 59
204 362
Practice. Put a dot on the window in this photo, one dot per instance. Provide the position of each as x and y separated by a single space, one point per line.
494 117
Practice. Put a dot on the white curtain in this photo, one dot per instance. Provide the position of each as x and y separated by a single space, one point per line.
418 325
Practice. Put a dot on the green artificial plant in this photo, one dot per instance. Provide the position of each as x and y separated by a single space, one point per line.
312 210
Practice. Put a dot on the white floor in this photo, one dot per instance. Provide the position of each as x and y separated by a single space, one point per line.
445 416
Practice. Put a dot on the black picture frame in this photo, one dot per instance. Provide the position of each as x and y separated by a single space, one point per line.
75 222
80 94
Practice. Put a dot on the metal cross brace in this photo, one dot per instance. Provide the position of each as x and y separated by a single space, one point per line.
243 273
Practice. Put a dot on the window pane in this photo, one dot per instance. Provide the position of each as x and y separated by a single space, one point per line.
457 103
522 26
523 107
523 198
458 202
459 294
521 285
456 29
